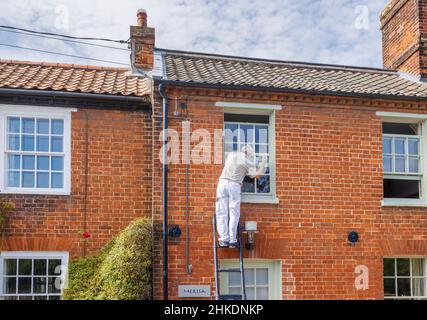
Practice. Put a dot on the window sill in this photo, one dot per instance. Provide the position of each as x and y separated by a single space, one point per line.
36 192
271 199
403 203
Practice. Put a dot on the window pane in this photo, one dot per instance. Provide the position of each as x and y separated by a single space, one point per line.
28 162
403 267
234 279
399 146
231 132
246 133
261 148
263 184
388 267
14 162
28 125
418 287
39 285
57 180
10 285
40 298
54 285
387 164
261 134
404 189
262 293
248 185
25 297
24 285
57 163
250 293
53 267
399 164
28 179
400 128
234 290
262 276
389 287
57 126
13 125
387 145
13 142
54 298
13 179
417 267
42 180
43 143
9 267
413 146
413 165
43 126
56 144
40 267
25 267
249 277
42 163
27 143
403 287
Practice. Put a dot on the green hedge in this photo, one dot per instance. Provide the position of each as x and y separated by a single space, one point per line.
121 271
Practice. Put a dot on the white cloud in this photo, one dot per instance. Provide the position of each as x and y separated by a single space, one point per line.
315 31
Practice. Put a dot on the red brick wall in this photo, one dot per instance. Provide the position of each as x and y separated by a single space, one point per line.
117 146
329 182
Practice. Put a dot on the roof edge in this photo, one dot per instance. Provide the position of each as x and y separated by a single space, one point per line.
76 94
289 90
62 65
300 64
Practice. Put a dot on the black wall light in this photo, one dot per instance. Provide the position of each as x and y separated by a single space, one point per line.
353 237
175 233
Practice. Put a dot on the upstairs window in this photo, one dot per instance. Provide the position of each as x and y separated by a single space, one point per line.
402 167
36 150
253 130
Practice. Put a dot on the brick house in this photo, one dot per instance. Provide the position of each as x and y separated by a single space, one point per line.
345 148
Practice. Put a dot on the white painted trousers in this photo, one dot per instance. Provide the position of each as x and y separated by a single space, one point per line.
228 195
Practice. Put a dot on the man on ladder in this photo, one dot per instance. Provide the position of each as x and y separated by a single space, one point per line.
238 165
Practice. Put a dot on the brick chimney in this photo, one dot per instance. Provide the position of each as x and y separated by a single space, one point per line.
404 35
142 39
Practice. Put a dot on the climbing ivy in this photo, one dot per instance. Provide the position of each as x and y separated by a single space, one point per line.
120 271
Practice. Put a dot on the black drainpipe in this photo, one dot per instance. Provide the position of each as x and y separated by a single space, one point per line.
165 193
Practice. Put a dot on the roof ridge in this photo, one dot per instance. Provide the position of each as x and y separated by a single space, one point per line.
63 65
299 64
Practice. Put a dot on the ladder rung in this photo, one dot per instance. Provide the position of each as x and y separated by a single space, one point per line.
230 297
229 270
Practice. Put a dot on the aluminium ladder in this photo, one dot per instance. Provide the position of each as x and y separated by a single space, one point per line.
218 270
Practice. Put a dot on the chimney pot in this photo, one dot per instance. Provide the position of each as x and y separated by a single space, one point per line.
141 18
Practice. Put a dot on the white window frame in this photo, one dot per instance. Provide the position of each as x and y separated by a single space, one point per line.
266 110
421 120
239 124
36 112
274 274
411 277
63 256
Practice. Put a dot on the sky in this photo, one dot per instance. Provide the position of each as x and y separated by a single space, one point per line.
324 31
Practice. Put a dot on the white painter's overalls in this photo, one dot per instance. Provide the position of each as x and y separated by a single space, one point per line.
228 195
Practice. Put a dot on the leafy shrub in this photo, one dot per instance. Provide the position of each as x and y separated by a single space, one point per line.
121 271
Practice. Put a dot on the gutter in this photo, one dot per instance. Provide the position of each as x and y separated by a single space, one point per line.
165 193
65 94
289 90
